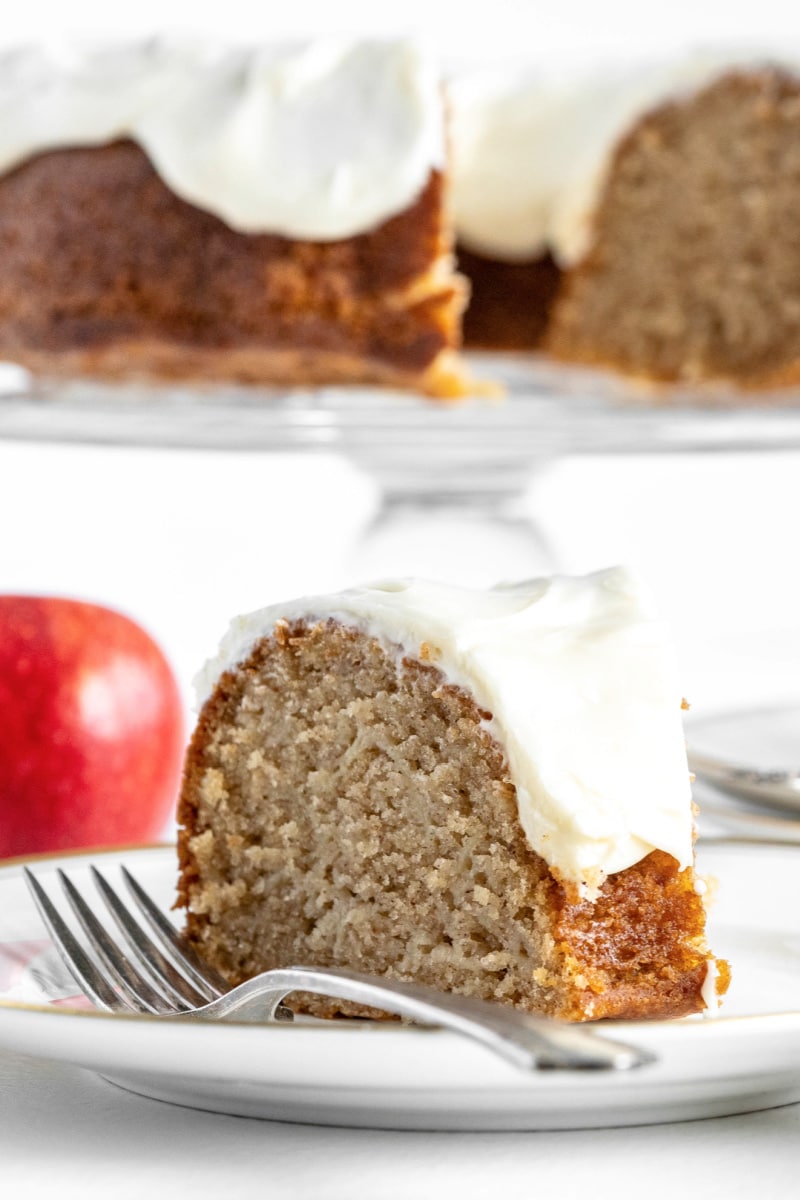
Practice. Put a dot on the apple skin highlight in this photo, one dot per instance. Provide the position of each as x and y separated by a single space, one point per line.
92 730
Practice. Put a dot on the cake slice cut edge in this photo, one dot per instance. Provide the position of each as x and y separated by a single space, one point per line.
652 229
347 803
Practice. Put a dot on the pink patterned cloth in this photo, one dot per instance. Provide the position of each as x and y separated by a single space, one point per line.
30 971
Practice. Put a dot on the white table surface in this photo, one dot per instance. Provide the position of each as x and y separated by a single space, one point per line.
182 540
66 1134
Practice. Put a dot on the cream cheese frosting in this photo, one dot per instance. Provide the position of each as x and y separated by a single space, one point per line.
579 677
532 149
320 140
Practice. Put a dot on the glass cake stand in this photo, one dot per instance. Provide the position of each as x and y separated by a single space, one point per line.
452 479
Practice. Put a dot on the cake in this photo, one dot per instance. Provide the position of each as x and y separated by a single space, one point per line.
281 215
484 791
275 215
645 220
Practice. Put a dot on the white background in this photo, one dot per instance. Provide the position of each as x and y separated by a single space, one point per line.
184 540
502 29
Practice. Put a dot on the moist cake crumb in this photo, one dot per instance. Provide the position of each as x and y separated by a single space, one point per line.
345 805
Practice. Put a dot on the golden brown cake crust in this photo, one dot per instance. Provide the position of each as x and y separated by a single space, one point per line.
107 272
648 920
339 809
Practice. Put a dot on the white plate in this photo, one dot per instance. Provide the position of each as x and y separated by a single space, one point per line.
753 755
396 1077
729 815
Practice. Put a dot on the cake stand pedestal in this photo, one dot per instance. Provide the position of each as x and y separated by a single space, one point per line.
472 538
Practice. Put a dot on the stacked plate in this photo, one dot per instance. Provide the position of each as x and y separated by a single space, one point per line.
747 766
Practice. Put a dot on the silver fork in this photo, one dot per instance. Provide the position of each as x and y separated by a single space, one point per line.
154 971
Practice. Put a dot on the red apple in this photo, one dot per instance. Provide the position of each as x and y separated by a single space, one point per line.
91 728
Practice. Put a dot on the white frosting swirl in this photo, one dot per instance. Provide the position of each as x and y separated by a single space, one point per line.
531 150
583 691
322 140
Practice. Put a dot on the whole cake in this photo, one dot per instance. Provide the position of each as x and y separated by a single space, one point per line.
281 215
274 215
485 791
639 219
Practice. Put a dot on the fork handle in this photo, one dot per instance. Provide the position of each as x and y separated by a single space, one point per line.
533 1043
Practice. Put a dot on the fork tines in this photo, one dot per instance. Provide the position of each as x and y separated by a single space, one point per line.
151 970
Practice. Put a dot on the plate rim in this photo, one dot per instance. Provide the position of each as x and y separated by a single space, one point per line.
383 1075
15 865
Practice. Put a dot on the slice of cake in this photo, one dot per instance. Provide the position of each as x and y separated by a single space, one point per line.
645 220
277 216
485 791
